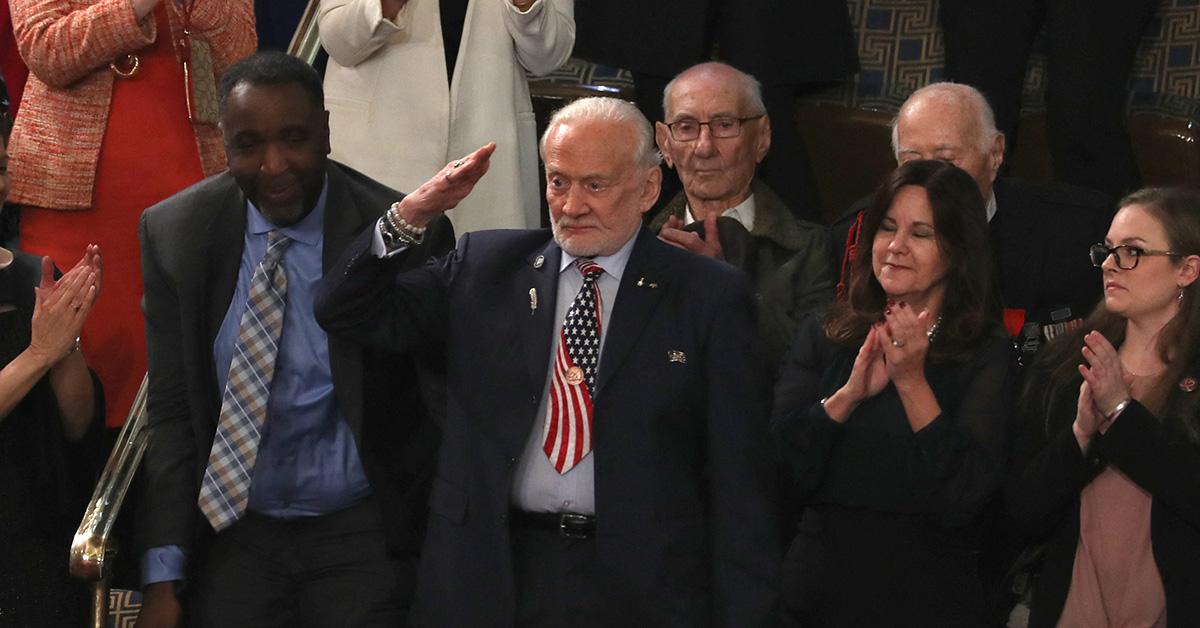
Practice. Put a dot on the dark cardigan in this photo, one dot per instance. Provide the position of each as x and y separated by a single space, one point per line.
1050 472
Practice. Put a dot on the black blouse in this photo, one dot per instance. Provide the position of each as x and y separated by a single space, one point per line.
945 472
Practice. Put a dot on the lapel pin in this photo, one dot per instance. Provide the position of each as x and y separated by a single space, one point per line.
532 300
641 282
653 285
539 261
675 355
1188 384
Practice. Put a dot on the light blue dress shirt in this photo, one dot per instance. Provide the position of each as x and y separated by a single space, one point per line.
308 463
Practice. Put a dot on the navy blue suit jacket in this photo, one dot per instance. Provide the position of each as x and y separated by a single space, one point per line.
686 522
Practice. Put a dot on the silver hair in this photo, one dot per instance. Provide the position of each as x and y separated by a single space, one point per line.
751 88
959 94
606 109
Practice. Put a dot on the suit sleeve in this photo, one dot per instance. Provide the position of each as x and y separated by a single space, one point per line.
957 461
387 302
1155 457
803 433
544 35
1048 469
744 521
168 505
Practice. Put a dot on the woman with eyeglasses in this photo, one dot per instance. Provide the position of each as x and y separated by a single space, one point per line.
890 416
1108 462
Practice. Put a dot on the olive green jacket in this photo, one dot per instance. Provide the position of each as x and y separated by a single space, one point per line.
788 259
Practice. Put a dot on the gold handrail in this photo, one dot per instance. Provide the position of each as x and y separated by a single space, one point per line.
306 43
92 550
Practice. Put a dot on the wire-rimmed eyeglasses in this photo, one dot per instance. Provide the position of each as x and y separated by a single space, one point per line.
688 129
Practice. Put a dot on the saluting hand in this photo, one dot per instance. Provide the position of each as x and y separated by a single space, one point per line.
447 188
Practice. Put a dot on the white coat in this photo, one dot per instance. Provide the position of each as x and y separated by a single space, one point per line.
393 116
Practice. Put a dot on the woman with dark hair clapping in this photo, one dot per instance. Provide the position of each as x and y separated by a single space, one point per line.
1108 463
51 416
890 414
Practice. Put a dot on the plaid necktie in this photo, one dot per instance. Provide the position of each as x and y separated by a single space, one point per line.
226 486
567 436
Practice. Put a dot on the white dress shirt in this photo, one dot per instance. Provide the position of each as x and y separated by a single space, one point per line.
742 212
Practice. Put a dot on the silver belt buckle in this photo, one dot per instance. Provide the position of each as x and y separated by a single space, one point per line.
565 522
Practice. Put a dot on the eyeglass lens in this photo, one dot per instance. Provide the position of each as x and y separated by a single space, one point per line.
1127 256
685 130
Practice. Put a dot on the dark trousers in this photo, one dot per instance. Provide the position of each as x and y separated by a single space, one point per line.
1090 45
557 581
331 570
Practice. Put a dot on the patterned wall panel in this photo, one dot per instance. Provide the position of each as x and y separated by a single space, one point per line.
579 72
1168 61
900 49
123 608
1165 69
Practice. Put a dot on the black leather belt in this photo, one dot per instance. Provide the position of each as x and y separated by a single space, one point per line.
568 524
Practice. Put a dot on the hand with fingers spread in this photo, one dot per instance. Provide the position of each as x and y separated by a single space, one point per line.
1104 374
905 342
447 188
868 376
673 233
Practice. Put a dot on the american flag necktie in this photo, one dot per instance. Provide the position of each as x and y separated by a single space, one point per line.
567 435
226 486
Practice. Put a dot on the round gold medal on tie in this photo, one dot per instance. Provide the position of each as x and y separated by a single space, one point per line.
575 376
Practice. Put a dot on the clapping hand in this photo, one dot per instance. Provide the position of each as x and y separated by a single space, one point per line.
60 307
672 233
1104 375
904 339
868 377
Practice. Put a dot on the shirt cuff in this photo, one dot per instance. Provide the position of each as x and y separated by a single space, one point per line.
378 248
163 564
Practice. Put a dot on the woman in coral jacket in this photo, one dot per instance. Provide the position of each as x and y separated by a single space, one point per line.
412 84
118 114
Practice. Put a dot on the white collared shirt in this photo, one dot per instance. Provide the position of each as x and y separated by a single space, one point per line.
742 212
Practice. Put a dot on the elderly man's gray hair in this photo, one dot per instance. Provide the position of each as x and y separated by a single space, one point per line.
749 86
964 97
605 109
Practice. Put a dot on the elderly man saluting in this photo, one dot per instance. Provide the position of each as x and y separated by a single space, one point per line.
582 480
716 132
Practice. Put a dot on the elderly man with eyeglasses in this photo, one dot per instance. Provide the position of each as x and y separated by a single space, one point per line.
715 134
